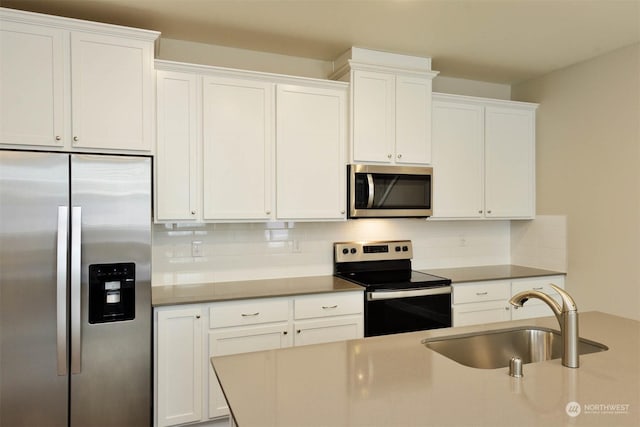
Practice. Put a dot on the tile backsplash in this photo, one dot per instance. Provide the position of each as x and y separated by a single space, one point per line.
540 243
198 253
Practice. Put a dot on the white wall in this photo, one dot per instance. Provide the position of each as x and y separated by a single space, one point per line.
268 250
222 56
588 168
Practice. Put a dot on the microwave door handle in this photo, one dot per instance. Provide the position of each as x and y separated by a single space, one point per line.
372 191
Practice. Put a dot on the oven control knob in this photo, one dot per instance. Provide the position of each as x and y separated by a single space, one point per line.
405 248
345 251
353 250
397 248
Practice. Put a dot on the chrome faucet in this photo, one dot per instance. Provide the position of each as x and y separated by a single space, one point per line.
567 316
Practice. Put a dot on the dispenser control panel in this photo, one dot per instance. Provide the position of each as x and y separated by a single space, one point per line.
112 292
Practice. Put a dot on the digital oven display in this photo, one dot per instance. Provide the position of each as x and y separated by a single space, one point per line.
375 249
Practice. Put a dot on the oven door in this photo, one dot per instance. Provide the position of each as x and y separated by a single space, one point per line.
391 312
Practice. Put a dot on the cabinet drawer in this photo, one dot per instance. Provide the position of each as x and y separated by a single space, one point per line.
248 312
330 304
481 291
542 284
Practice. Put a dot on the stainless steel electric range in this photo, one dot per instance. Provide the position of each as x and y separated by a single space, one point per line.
397 299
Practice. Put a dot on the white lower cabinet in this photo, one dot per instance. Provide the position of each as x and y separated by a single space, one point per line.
178 365
480 302
235 327
476 303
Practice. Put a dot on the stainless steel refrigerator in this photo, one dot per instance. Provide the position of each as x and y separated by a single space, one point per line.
75 291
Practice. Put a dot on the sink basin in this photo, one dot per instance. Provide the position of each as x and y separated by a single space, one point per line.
494 349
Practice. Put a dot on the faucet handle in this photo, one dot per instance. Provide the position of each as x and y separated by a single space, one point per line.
568 304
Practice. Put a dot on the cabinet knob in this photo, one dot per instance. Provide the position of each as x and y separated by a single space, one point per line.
193 212
507 308
197 316
489 212
389 156
298 331
399 156
284 332
342 212
58 137
76 139
267 212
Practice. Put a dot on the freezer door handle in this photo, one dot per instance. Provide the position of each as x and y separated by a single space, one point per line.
76 339
61 288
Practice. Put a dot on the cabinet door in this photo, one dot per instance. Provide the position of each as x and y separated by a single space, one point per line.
112 92
237 149
328 330
413 120
457 140
481 312
32 85
310 147
241 340
373 115
509 162
179 366
176 155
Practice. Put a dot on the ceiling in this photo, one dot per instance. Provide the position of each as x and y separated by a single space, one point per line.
501 41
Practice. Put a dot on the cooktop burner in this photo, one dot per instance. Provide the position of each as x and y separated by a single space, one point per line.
387 280
382 266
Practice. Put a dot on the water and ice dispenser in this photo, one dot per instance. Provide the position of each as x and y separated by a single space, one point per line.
112 292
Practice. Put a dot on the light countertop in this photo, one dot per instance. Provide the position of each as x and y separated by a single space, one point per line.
396 381
490 272
225 291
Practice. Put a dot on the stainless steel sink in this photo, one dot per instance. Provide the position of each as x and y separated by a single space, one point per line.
494 349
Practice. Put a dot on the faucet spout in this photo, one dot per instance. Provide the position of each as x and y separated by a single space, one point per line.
567 315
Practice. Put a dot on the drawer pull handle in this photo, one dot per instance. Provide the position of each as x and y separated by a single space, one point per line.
250 314
538 288
481 293
329 307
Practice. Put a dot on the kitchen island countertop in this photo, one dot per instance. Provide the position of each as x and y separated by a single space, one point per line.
395 380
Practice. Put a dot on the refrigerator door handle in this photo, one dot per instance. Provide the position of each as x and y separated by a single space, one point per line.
61 289
76 339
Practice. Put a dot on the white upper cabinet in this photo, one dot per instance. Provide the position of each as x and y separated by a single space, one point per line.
458 150
373 116
32 84
391 106
176 168
73 84
311 146
242 146
237 148
483 158
413 120
509 162
112 92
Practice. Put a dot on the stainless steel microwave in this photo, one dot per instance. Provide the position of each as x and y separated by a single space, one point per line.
389 191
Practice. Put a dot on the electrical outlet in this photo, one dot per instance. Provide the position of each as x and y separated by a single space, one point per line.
196 248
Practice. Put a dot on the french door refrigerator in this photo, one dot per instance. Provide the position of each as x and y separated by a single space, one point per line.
75 291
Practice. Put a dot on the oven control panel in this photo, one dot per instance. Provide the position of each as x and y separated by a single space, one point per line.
372 251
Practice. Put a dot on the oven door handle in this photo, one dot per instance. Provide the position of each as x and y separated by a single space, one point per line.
382 295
